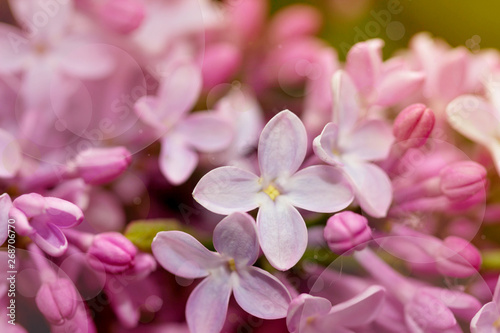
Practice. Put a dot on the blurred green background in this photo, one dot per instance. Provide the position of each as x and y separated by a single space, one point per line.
473 24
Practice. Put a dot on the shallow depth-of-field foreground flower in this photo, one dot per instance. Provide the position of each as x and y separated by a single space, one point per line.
202 166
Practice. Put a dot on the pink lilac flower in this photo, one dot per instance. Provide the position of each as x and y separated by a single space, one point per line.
351 143
229 270
279 189
316 314
41 218
183 134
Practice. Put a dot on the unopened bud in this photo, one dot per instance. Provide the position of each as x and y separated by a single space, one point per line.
458 258
413 126
57 301
111 252
461 180
347 230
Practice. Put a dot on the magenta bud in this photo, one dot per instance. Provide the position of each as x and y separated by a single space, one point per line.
345 231
57 300
122 16
462 180
413 126
458 258
97 166
111 252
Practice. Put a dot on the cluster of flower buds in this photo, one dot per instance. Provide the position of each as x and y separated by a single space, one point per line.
201 166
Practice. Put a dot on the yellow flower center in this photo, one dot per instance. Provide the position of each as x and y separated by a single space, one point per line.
271 191
232 265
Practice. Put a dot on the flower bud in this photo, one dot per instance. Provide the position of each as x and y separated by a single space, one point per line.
100 165
57 300
458 258
111 252
345 231
461 180
413 126
220 63
122 16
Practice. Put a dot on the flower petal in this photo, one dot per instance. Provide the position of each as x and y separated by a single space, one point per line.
85 60
364 63
370 141
282 233
397 86
426 313
304 307
463 305
206 307
261 294
10 155
372 187
484 320
206 132
181 254
282 146
236 237
357 311
49 238
227 190
325 145
319 188
62 213
14 49
474 118
177 161
346 104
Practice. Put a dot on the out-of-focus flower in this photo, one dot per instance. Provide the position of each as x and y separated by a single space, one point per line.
227 271
279 189
41 218
316 314
350 143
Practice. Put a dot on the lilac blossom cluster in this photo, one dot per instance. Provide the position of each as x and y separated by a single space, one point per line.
198 166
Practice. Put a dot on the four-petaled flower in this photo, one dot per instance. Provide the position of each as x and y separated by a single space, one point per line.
279 189
227 270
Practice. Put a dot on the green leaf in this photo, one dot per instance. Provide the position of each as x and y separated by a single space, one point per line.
142 232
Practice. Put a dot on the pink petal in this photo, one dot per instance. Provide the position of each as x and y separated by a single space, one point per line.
473 117
10 155
5 205
179 91
496 294
236 237
483 321
282 233
364 62
177 161
426 313
227 190
206 307
62 213
346 102
304 307
261 294
463 305
325 146
357 311
14 49
319 188
372 187
370 141
206 132
181 254
85 60
452 75
397 86
282 145
49 239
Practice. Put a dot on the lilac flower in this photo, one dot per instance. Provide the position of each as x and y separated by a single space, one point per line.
279 189
227 271
351 143
183 134
309 314
41 218
487 319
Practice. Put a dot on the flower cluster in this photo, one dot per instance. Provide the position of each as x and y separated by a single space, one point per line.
197 166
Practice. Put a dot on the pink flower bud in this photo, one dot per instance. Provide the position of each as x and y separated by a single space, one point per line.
100 165
347 230
111 252
294 22
220 63
122 16
413 126
458 258
57 300
461 180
